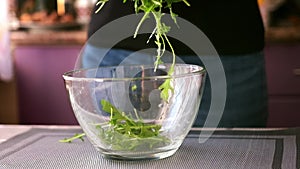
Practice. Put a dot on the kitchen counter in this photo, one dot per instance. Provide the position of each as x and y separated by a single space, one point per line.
79 37
74 37
283 35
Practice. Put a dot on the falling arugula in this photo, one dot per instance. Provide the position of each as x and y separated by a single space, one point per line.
160 31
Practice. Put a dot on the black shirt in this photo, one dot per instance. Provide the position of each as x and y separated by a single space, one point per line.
233 26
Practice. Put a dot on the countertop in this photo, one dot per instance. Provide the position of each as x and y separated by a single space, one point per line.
10 131
79 37
283 35
73 37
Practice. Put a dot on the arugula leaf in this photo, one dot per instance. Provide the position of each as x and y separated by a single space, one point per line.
76 136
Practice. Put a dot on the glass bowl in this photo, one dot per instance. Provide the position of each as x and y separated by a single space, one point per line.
136 112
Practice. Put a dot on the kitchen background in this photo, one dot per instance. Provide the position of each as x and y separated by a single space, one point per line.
41 39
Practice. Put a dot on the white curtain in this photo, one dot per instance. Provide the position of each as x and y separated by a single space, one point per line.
6 67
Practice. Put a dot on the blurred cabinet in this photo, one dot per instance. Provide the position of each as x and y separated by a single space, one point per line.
283 75
42 97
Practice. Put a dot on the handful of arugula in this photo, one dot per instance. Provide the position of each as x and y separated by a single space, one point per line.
124 133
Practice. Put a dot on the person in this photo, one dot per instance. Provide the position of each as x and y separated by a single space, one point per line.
6 63
236 30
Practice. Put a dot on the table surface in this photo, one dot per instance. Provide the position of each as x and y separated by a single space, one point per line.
9 131
35 146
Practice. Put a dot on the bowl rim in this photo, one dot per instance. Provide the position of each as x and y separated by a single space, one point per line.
197 70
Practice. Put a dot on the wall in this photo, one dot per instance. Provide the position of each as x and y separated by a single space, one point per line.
42 97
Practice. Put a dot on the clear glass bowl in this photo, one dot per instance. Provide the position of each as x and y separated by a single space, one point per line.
123 113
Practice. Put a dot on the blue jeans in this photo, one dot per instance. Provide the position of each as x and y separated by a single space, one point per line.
246 100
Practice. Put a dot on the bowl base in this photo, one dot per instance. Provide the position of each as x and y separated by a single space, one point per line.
139 156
